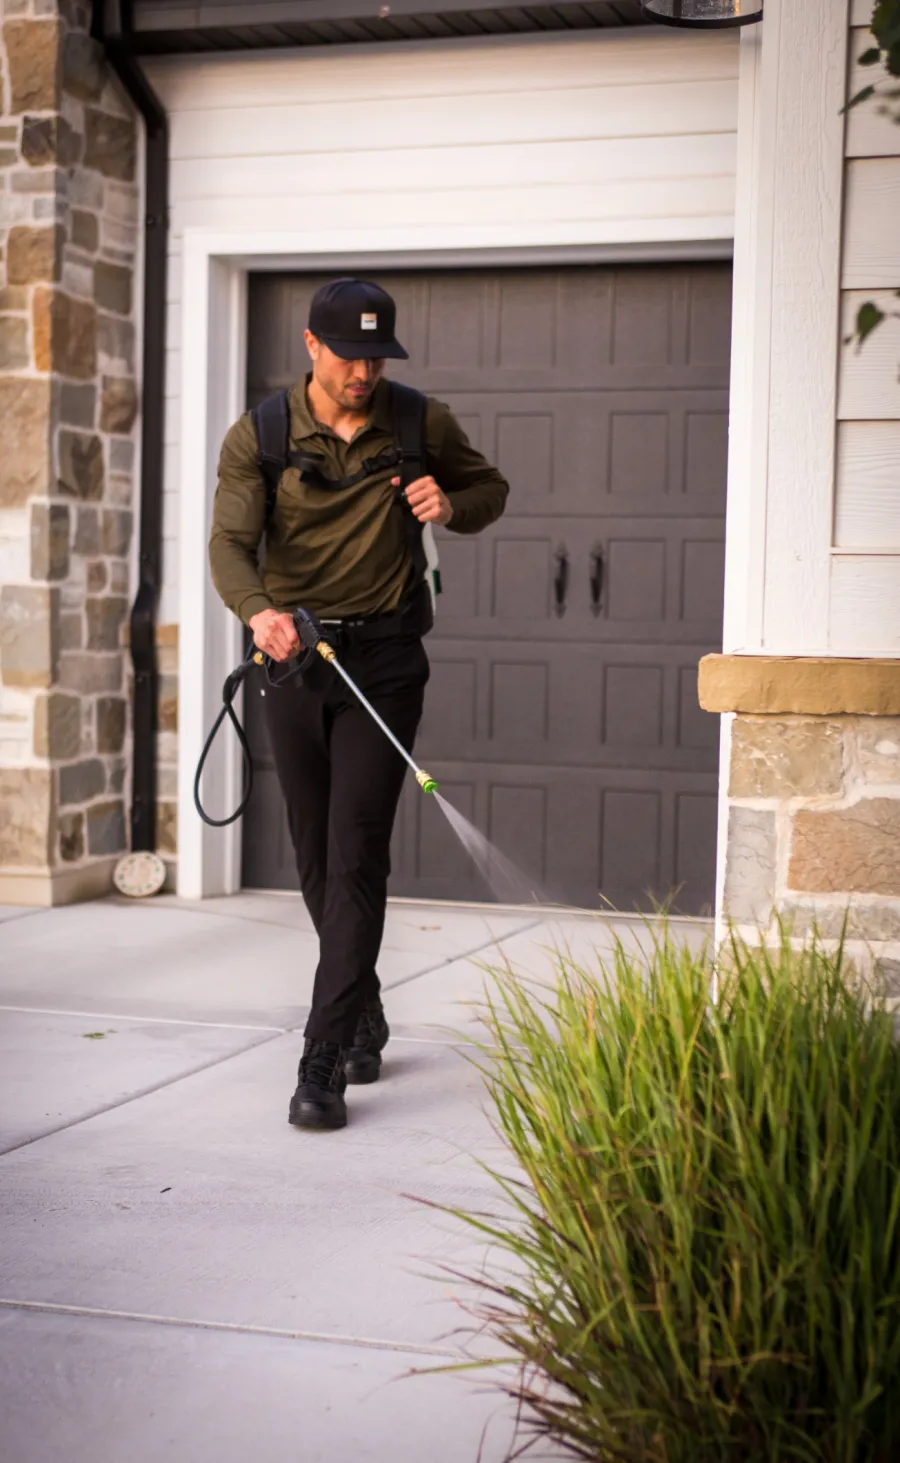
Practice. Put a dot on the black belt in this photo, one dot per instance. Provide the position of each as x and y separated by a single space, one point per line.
412 618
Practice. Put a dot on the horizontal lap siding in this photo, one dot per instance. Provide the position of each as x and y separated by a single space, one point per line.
583 139
865 583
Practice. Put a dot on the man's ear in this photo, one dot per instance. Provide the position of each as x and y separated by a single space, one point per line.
312 344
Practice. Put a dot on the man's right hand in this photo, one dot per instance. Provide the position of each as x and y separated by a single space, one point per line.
274 634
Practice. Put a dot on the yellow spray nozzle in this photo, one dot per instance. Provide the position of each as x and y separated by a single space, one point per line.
325 650
426 782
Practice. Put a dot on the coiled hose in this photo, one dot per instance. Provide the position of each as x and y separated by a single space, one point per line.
229 691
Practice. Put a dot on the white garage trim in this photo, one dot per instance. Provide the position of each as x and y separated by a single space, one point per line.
215 269
605 149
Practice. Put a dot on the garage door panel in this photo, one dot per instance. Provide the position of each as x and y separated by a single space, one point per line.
705 449
451 715
566 707
455 334
710 318
642 319
563 723
519 703
460 578
696 815
607 837
655 578
517 825
630 845
615 452
633 706
697 729
702 579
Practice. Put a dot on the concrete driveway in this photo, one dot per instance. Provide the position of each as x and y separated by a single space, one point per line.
185 1277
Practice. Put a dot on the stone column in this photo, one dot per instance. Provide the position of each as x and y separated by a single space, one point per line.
69 230
813 798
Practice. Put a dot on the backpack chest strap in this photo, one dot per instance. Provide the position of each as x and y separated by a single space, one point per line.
310 464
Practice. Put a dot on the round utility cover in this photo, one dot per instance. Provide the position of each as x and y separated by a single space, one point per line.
139 875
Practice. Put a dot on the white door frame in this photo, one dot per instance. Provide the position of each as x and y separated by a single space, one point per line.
215 270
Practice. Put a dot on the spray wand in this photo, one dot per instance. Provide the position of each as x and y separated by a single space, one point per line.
314 639
311 633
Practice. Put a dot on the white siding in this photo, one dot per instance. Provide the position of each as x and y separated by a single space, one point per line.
870 388
868 510
613 138
865 613
865 585
869 133
871 232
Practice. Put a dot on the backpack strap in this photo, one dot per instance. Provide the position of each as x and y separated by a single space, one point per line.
272 421
309 465
408 408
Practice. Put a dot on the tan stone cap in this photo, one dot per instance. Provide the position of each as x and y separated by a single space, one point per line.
807 685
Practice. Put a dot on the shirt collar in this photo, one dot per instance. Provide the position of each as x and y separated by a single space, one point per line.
304 424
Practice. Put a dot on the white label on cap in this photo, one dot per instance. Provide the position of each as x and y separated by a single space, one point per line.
369 322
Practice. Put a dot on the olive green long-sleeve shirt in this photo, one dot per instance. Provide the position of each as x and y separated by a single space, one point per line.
337 552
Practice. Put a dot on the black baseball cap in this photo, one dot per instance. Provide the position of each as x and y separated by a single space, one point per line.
356 319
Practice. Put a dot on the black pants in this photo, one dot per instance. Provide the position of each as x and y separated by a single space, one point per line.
341 781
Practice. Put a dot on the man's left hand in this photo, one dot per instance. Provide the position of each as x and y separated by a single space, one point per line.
427 501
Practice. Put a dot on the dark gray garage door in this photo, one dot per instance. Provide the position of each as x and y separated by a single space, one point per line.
562 714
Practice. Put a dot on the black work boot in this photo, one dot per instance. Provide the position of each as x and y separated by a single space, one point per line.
319 1099
362 1060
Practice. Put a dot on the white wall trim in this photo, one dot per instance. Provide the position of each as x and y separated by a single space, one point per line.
787 331
785 345
745 528
210 639
806 86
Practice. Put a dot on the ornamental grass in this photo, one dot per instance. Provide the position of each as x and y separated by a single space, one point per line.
699 1261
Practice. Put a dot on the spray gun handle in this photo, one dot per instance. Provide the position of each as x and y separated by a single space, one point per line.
308 628
311 634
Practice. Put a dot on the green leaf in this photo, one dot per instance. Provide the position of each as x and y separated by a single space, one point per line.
861 96
870 57
885 24
94 1035
868 318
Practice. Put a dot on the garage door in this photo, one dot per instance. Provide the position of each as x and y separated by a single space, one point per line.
562 714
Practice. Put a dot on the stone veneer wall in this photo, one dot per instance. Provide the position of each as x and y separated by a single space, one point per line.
69 230
813 799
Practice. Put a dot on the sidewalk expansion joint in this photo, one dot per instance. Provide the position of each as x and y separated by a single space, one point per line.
228 914
136 1096
366 1343
11 919
495 941
146 1020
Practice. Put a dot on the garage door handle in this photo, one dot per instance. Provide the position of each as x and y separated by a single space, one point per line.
596 578
561 580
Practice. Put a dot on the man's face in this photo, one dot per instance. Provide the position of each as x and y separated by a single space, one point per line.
349 383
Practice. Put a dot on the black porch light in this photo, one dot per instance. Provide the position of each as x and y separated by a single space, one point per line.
704 14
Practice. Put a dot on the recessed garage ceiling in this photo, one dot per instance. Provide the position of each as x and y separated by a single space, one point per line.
166 26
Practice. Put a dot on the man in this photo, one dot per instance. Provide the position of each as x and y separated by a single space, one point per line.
341 541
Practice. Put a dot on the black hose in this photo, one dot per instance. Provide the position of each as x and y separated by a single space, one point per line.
229 691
